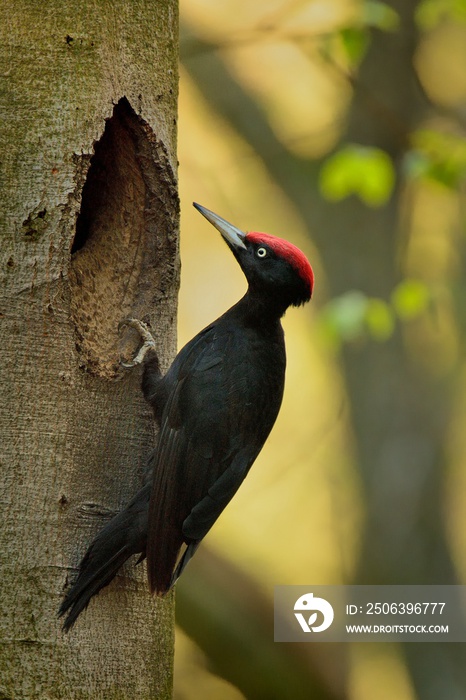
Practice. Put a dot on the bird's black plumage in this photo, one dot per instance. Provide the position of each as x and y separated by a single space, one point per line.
215 408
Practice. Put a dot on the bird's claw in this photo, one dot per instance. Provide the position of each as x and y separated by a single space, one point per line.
144 332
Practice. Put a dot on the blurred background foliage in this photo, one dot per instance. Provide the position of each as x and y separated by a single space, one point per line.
339 125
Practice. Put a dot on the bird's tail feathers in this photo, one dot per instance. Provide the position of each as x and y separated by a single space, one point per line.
186 556
89 582
122 537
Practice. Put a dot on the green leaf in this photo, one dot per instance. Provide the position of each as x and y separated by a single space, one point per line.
379 319
353 315
437 156
345 315
430 13
459 10
410 298
355 42
360 170
378 14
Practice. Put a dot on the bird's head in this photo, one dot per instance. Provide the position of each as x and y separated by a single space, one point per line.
273 267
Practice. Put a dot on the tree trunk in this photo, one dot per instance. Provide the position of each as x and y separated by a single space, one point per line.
86 241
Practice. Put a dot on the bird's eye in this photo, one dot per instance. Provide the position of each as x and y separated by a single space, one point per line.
261 252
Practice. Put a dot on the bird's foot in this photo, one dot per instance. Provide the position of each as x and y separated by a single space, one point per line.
144 332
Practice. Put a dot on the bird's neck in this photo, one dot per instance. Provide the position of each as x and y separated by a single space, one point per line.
257 310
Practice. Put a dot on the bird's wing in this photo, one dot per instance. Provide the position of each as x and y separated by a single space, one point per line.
212 429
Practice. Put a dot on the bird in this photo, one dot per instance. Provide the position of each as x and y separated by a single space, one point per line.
214 409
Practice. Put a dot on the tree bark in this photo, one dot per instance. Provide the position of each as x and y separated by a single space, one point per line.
89 222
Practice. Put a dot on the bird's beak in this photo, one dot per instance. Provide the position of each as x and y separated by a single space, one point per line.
233 236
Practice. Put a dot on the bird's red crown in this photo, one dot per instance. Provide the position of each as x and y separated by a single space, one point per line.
288 252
